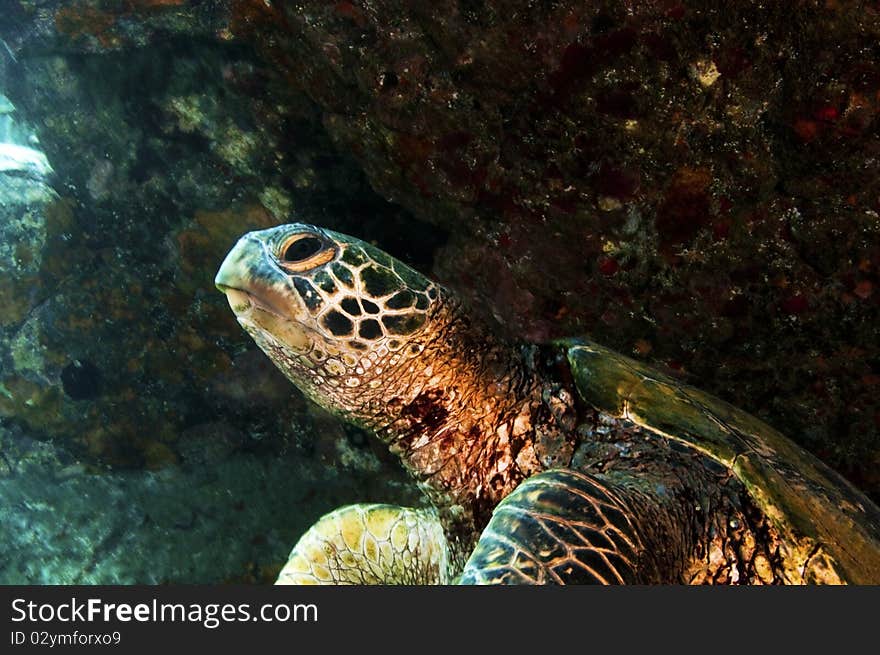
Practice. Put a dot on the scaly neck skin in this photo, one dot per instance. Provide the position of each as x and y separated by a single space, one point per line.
461 417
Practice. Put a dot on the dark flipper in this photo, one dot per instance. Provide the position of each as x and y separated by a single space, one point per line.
831 530
560 527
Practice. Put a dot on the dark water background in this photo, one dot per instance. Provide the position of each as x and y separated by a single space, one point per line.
693 184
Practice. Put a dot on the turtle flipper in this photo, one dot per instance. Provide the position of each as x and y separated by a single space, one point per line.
559 527
830 529
370 544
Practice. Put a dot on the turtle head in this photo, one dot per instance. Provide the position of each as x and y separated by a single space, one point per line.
335 314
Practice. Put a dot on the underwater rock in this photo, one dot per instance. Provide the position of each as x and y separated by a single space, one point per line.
25 207
23 203
196 524
16 159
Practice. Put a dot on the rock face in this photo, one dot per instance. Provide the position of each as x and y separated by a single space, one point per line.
695 184
219 517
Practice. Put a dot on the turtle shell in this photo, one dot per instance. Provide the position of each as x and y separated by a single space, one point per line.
831 531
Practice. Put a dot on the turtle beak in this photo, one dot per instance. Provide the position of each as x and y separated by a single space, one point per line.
261 296
233 273
249 278
233 277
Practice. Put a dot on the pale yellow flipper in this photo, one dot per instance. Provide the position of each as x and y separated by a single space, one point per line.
370 544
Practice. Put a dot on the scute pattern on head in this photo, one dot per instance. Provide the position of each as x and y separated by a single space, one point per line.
361 282
337 324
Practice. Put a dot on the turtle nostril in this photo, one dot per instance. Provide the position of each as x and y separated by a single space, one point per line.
302 249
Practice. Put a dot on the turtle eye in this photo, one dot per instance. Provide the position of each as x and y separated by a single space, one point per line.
304 251
301 249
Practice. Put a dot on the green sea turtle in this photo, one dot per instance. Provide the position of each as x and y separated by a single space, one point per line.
544 463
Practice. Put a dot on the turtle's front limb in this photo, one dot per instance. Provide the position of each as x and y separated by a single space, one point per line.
565 527
370 544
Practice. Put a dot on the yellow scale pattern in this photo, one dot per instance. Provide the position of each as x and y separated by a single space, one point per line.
370 544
